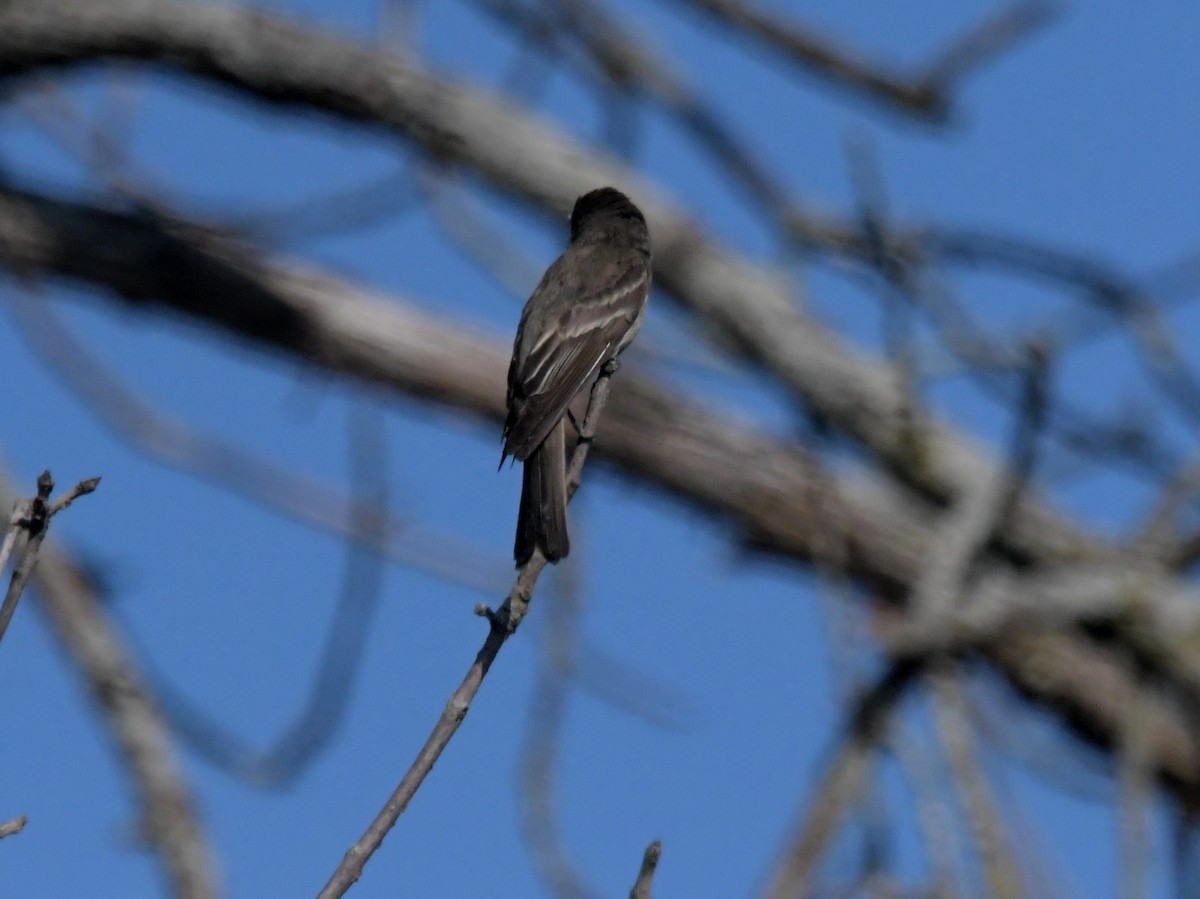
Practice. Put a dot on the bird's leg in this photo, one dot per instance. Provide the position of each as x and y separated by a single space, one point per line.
587 429
607 370
575 423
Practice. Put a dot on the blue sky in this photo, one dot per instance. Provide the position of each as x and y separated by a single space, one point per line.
1085 136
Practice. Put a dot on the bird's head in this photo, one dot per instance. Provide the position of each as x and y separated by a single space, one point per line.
604 207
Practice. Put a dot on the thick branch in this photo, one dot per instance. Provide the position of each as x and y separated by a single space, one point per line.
266 57
648 431
779 499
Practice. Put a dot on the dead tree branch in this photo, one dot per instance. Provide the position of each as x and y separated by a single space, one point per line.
503 624
27 527
841 781
168 818
926 94
224 462
775 494
288 64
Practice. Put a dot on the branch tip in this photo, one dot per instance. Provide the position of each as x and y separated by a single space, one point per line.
645 879
14 826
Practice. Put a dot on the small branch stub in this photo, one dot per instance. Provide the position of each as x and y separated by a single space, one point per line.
27 526
83 488
643 886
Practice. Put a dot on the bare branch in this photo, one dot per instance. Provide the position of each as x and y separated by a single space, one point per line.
840 783
1136 795
314 727
963 534
1001 868
926 95
288 64
346 209
229 465
774 493
632 67
169 820
503 624
954 555
27 527
989 39
491 248
940 833
83 488
1159 537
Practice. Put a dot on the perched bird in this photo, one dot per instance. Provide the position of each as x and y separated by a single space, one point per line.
585 311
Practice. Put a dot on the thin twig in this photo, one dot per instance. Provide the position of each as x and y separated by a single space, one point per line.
340 211
899 335
1002 872
177 445
952 559
503 624
841 782
83 488
486 244
634 70
1135 798
935 817
166 807
901 257
994 35
27 527
102 151
1102 287
1158 535
986 360
643 886
314 728
618 684
980 516
925 95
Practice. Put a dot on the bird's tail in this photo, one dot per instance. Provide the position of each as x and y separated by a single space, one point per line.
542 520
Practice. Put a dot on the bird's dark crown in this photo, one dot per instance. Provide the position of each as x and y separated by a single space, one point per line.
604 202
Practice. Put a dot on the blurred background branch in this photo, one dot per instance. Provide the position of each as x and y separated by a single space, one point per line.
828 391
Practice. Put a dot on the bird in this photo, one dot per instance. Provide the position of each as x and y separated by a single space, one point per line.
583 313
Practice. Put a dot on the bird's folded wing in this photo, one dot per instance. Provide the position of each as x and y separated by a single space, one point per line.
561 377
569 349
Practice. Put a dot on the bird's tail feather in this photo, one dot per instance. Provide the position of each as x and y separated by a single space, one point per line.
542 519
